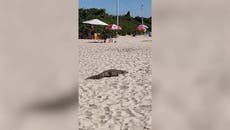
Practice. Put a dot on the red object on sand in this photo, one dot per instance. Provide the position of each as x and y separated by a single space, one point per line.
113 27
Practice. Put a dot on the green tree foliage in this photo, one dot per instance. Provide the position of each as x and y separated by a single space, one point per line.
128 14
127 22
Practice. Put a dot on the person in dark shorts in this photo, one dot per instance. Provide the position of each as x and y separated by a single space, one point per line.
104 36
134 34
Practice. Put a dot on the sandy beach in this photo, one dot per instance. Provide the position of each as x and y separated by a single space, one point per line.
115 103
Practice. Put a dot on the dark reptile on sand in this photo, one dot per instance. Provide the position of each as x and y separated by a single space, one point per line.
108 73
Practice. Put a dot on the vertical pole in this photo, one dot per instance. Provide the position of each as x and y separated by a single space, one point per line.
142 21
117 16
117 12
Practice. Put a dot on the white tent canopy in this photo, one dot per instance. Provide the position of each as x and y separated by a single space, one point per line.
95 22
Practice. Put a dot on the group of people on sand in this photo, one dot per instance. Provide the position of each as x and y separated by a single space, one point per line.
92 34
100 36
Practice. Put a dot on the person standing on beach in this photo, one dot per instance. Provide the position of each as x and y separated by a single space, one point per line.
104 36
93 32
134 34
89 34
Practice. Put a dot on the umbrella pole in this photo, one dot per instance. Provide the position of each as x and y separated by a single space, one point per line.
117 12
142 19
117 19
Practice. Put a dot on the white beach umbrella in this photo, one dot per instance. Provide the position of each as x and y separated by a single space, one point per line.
95 22
144 26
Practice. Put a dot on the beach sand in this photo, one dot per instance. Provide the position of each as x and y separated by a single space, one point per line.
115 103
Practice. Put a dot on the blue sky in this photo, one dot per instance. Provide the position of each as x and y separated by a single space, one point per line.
134 6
